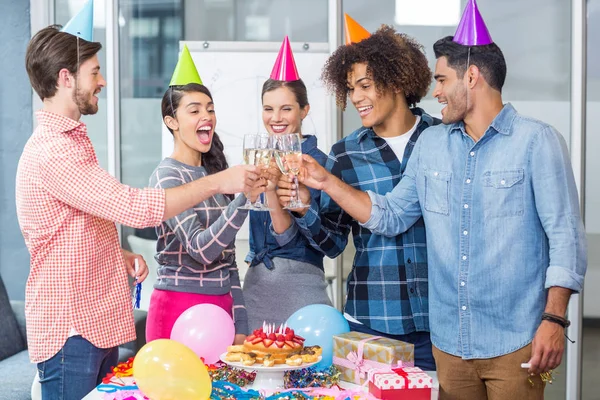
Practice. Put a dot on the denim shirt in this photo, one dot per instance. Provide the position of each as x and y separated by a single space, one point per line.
265 244
387 289
503 225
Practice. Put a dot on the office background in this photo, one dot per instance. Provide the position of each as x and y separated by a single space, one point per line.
141 44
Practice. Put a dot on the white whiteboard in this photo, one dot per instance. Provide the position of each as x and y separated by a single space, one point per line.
234 72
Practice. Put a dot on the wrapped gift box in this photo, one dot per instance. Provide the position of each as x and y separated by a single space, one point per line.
405 383
356 353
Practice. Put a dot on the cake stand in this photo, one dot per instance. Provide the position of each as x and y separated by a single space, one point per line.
269 378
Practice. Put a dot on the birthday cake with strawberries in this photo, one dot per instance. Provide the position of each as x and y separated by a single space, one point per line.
272 345
272 340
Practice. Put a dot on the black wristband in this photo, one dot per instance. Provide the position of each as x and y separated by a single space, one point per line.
565 323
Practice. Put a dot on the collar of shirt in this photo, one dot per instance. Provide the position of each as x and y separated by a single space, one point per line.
501 124
60 123
309 143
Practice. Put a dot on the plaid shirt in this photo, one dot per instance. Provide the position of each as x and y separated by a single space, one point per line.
67 206
387 287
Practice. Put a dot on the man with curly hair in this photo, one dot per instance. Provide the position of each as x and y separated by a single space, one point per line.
384 76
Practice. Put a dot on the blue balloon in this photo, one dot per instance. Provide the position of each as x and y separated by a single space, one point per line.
318 323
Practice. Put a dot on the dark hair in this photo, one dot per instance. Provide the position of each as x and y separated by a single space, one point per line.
395 61
296 87
488 58
51 50
214 161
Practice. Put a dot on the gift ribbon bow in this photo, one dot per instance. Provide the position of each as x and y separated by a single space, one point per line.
399 370
403 374
355 361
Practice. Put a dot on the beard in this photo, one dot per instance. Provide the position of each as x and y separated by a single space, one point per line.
457 106
83 101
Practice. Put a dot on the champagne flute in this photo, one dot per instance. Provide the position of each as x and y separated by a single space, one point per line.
256 152
263 160
288 156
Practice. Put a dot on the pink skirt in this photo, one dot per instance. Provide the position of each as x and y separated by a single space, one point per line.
166 306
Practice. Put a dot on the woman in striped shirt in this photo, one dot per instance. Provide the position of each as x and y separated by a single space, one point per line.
195 249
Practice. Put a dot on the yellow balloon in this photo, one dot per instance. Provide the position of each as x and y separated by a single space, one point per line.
168 370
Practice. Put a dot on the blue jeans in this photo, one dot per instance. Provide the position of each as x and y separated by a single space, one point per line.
75 370
421 341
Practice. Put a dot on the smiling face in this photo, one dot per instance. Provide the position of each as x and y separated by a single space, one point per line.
451 91
282 112
374 108
89 83
195 121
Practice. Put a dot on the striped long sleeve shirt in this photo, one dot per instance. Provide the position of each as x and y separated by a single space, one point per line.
195 249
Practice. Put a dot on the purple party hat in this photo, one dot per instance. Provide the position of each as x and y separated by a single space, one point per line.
471 30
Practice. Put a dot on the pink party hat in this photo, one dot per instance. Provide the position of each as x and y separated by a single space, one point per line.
285 66
471 30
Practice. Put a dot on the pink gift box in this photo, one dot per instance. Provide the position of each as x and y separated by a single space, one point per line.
406 383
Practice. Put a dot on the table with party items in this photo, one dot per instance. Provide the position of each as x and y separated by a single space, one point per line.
312 355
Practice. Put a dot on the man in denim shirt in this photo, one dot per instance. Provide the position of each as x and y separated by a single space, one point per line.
383 76
506 244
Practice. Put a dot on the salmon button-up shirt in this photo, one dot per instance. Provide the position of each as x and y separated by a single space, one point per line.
67 207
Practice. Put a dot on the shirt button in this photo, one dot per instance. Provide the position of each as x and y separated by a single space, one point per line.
466 206
465 233
468 181
462 284
464 308
408 261
464 257
412 290
435 174
503 182
472 153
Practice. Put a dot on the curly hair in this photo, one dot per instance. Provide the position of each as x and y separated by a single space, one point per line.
395 62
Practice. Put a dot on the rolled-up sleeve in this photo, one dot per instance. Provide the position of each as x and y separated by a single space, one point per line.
286 236
557 204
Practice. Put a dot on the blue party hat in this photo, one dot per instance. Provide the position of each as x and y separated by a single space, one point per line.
82 23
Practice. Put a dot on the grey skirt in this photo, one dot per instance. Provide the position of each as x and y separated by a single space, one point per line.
274 295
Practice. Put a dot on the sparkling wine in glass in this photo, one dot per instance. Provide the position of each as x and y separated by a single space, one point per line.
257 151
290 156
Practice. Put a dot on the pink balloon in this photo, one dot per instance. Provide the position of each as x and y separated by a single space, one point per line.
206 329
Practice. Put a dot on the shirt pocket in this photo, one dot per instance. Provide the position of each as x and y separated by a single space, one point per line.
437 191
503 193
